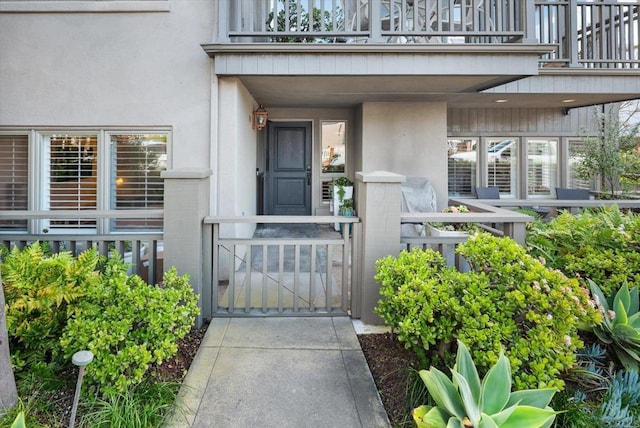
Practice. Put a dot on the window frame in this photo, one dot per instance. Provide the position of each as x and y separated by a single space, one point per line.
38 177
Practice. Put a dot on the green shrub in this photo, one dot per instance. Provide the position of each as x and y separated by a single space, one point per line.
599 244
465 401
128 324
509 300
39 292
620 326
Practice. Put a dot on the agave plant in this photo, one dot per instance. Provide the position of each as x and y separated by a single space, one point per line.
620 326
466 402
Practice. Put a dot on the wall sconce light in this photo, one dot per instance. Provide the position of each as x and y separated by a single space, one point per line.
260 118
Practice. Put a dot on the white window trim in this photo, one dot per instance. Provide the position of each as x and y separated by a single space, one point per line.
27 6
37 173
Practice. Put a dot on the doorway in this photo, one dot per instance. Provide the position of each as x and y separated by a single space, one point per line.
288 176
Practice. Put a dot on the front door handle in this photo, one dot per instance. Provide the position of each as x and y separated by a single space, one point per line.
308 178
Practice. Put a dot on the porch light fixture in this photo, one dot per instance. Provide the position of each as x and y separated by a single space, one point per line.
260 118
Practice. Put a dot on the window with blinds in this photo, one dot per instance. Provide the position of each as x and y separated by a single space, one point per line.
542 167
14 173
72 178
136 163
462 163
575 156
502 165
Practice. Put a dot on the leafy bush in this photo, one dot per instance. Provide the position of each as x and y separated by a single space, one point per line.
620 326
509 300
39 292
600 244
128 324
467 401
57 305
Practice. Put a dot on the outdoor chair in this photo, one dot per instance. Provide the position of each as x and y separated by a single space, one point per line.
572 194
491 192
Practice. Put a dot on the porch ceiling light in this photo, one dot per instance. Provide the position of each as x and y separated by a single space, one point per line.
502 101
260 118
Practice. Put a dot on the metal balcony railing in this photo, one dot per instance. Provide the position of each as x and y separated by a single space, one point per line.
587 33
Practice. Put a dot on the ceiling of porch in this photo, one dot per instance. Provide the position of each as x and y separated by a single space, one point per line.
457 91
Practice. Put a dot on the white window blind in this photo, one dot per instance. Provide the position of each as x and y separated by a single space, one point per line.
14 172
542 167
575 156
502 165
462 164
136 163
72 177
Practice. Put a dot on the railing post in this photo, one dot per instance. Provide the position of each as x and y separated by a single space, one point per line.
516 231
375 23
571 32
186 201
378 205
223 21
528 17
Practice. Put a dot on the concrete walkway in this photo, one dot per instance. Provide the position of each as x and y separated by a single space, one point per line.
279 372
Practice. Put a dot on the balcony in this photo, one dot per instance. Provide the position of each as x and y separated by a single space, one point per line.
576 33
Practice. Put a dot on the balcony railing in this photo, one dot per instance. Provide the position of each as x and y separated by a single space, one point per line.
587 33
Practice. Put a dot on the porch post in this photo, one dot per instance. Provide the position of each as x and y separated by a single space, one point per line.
378 205
186 203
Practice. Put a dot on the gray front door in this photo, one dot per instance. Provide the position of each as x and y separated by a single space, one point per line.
288 169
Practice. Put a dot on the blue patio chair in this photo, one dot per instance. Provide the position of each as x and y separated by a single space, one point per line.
491 192
572 194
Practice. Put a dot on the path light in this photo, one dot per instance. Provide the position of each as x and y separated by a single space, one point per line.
80 359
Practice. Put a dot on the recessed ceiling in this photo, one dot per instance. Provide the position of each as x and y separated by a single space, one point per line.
457 91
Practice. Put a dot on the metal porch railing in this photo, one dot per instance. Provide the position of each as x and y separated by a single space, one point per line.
246 275
586 33
142 250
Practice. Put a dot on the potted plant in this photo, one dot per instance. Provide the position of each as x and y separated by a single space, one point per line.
451 229
342 190
346 209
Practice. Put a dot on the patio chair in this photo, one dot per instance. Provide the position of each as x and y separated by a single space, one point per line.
490 192
572 195
493 192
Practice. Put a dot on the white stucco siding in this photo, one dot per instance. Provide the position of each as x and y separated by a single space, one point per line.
112 69
236 151
407 139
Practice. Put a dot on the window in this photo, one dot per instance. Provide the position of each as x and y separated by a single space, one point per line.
462 161
542 167
86 170
333 146
575 148
502 165
14 173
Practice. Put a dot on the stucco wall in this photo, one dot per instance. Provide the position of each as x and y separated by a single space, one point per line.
112 69
407 139
236 193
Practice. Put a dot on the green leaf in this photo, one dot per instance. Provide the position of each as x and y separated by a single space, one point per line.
621 314
430 417
530 417
496 386
628 358
19 422
532 397
500 417
443 392
622 296
595 290
626 333
634 305
471 406
466 367
488 422
454 423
